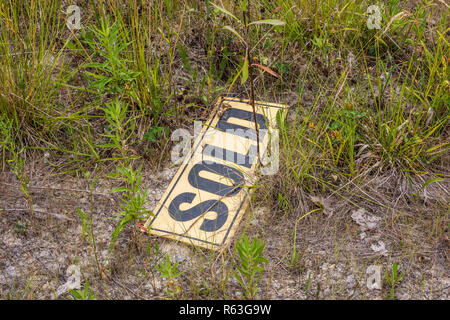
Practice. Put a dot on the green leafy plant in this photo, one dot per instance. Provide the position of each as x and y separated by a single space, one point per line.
307 285
344 135
295 255
282 202
393 279
113 75
6 138
21 227
154 133
84 222
120 128
14 160
133 199
16 164
244 37
87 225
307 288
83 294
149 270
170 271
250 264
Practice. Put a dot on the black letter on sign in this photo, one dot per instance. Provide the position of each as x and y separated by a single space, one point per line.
208 225
245 132
245 160
212 186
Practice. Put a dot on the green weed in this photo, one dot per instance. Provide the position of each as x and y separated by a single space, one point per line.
170 271
133 199
393 279
113 75
83 294
250 266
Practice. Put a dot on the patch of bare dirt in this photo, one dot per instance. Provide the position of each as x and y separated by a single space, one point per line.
335 248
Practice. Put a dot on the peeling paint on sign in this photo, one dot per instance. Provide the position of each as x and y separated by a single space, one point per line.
208 195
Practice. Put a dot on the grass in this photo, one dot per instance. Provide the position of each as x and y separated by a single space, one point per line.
367 129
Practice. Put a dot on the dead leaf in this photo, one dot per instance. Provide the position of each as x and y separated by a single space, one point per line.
266 69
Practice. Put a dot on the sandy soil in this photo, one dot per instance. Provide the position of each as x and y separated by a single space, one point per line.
337 245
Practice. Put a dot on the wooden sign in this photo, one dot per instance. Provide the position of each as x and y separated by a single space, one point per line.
208 195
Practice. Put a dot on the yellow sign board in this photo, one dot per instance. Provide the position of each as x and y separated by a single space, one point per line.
208 195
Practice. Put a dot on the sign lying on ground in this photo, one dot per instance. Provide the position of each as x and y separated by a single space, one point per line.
208 195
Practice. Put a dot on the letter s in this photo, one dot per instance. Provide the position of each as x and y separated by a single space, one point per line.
208 225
